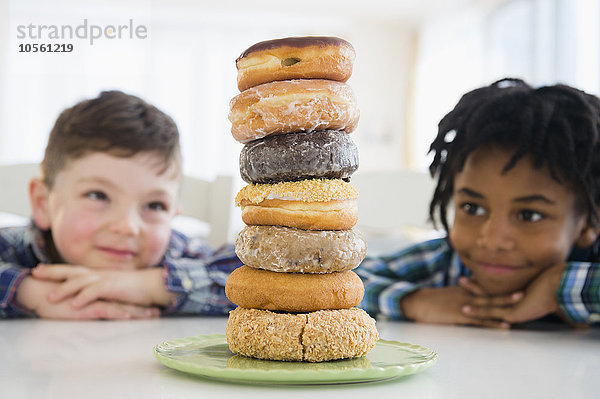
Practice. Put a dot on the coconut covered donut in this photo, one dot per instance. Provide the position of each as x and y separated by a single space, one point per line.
284 249
313 337
329 154
291 106
293 292
315 204
306 57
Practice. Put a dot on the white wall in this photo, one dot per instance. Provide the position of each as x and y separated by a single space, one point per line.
4 32
540 41
186 66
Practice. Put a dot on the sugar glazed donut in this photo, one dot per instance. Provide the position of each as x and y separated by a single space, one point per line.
288 250
253 288
313 337
315 204
306 57
329 154
301 105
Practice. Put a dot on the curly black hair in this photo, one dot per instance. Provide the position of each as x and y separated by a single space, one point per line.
559 126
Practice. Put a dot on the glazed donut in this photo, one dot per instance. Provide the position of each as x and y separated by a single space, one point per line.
306 57
312 337
293 292
284 249
329 154
315 204
291 106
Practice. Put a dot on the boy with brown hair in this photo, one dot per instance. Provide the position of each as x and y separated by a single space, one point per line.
100 245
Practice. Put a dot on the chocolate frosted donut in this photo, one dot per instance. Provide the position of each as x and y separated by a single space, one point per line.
329 154
284 249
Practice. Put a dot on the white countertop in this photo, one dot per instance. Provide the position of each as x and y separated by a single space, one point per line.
114 359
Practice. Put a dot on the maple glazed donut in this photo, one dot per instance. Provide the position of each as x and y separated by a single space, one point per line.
311 337
285 249
253 288
300 105
315 204
329 154
307 57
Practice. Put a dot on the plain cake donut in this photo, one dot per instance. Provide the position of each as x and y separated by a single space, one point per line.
248 287
329 154
299 105
312 337
306 57
284 249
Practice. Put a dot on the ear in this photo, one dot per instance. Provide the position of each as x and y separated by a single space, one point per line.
38 198
588 236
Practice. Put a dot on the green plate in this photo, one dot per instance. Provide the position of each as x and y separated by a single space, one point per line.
209 356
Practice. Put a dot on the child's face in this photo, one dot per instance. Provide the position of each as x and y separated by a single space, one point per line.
510 227
111 212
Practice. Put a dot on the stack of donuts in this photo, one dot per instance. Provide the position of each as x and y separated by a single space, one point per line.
297 293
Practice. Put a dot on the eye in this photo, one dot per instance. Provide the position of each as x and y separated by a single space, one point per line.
472 209
96 196
527 215
157 206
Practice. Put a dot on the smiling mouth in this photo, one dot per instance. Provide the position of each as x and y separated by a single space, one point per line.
118 253
498 269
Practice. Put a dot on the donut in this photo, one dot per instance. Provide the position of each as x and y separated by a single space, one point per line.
313 204
293 292
311 337
306 57
288 250
291 106
329 154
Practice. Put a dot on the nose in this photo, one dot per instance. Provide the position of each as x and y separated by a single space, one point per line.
495 234
124 221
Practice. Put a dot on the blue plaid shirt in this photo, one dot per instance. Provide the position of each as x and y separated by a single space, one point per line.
434 263
193 270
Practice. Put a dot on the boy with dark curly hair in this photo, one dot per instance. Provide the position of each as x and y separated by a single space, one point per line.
520 169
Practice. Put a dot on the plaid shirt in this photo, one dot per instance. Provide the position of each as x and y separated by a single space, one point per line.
434 263
193 270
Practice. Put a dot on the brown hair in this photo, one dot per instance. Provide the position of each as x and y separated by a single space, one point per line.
116 123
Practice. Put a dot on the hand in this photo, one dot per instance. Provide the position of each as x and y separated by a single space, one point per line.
444 305
83 285
539 299
32 294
